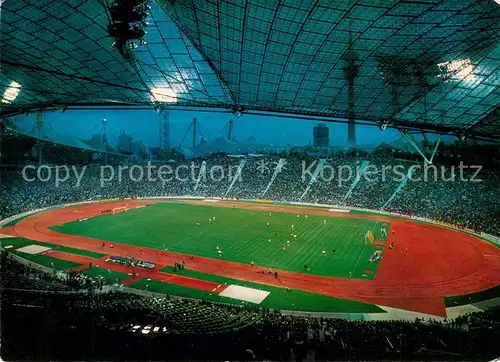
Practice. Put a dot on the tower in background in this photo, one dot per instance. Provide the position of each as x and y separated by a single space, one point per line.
124 144
164 130
351 69
321 135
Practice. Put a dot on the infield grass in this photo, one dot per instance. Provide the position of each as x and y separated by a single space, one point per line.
243 236
491 293
47 261
108 275
17 243
279 298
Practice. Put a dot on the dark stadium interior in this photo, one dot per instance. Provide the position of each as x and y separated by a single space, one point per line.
338 84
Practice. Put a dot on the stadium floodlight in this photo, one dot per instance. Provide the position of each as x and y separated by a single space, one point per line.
238 110
384 124
11 92
163 95
459 69
127 23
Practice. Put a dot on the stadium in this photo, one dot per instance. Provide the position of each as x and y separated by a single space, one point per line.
250 180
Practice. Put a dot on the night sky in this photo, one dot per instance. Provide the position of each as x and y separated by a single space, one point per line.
143 125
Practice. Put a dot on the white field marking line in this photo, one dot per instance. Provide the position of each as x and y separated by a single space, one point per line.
351 234
348 241
238 245
170 245
305 235
251 244
190 239
318 230
247 242
361 251
217 287
170 278
357 261
192 250
309 230
336 255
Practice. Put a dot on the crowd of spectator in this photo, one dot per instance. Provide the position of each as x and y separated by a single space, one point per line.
49 316
344 181
69 322
15 274
473 205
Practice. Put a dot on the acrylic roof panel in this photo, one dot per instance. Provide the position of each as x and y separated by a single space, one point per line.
59 52
429 62
426 62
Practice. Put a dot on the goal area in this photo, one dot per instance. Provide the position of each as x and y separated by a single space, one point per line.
369 238
116 210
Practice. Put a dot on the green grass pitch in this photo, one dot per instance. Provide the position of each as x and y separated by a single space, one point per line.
243 236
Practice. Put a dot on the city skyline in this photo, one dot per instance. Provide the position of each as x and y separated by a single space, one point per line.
142 125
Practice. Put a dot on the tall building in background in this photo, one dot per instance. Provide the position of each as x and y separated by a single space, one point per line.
124 143
164 124
321 135
98 141
139 148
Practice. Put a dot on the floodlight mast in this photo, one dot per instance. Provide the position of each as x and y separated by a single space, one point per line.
104 140
350 72
194 132
230 130
193 125
414 144
164 128
38 131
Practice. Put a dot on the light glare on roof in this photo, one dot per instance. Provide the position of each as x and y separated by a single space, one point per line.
11 92
458 69
164 95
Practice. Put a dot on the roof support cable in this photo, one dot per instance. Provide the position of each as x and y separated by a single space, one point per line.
412 142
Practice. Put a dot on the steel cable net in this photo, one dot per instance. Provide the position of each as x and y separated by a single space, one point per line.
420 63
60 52
291 55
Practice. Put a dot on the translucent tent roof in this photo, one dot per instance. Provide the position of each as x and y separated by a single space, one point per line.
59 51
425 63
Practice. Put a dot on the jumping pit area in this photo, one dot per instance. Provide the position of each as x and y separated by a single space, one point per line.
293 258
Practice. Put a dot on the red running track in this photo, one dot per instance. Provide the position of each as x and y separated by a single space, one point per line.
140 273
428 262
